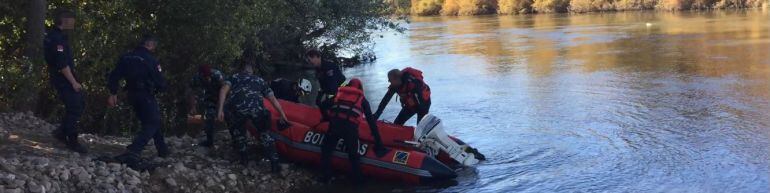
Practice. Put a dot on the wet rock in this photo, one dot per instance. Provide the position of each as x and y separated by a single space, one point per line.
171 182
232 177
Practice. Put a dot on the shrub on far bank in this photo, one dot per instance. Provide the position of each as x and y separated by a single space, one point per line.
581 6
514 6
426 7
468 7
624 5
551 6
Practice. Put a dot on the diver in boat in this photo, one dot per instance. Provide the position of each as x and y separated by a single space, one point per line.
413 93
286 89
348 108
244 93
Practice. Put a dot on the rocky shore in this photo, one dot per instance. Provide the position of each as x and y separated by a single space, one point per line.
32 161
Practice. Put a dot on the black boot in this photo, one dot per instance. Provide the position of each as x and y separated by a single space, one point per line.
131 160
164 152
206 143
74 145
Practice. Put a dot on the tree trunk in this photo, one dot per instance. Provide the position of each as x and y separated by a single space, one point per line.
33 44
35 29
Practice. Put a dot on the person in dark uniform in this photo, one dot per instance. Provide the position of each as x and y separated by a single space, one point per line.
286 89
206 85
349 107
244 93
144 79
413 93
329 76
62 76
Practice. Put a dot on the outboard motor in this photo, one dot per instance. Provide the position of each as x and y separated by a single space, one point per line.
431 138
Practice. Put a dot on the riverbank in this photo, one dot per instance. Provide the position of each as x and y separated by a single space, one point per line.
505 7
32 161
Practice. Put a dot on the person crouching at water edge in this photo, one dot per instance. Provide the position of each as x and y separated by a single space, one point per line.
348 108
412 91
244 93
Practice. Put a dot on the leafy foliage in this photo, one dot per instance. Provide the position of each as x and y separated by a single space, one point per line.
191 32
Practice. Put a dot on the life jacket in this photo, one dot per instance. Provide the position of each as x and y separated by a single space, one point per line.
347 104
406 91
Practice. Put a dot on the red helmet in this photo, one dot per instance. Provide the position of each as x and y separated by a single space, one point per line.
204 70
355 83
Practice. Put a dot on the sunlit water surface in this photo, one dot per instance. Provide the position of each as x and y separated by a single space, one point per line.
594 102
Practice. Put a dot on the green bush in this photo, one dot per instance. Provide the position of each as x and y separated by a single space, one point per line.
191 32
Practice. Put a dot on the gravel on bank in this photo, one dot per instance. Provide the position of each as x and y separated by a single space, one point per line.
32 161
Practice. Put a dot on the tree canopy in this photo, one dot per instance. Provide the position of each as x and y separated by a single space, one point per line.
191 32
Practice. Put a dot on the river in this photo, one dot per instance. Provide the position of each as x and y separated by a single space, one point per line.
610 102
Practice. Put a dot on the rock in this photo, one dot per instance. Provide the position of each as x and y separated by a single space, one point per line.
179 167
65 175
232 177
35 188
84 177
15 190
133 180
132 172
171 182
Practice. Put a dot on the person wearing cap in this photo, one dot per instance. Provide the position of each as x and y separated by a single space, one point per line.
244 93
205 86
286 89
348 109
61 71
329 76
144 78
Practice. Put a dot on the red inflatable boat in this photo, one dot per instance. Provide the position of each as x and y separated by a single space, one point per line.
410 159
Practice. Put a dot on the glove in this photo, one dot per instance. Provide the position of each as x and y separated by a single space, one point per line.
380 151
283 125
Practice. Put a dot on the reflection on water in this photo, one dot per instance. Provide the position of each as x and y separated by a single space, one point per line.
618 102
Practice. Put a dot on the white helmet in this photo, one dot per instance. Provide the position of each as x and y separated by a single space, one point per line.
305 85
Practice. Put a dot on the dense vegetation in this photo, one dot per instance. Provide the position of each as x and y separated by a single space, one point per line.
477 7
191 32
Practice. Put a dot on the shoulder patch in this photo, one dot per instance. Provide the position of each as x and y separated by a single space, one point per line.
60 48
159 69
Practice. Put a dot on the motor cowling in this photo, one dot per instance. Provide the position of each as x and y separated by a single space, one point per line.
431 138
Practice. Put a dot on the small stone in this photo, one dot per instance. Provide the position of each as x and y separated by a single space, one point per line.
232 177
171 182
133 180
65 175
132 172
35 188
15 190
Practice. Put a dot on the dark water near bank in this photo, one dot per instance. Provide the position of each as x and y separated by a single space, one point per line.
595 102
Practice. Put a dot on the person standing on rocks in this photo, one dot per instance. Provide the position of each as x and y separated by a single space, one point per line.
244 93
144 79
206 85
61 70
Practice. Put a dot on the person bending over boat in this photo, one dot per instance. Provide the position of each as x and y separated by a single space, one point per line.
205 87
245 103
412 91
290 90
348 108
329 76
